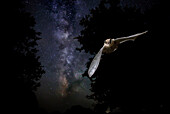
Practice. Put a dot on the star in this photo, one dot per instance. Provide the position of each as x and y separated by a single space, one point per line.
58 21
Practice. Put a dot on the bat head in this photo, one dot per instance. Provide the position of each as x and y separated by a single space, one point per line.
109 45
108 42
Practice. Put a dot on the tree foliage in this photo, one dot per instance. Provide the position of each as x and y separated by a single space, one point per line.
22 41
23 69
134 77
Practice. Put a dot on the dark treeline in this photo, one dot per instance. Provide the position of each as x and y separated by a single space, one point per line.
22 67
134 78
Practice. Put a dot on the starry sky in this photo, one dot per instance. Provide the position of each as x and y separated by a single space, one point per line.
63 86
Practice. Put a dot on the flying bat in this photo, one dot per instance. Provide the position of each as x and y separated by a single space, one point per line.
110 45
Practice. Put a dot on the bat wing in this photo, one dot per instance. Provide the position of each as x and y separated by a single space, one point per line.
95 63
132 37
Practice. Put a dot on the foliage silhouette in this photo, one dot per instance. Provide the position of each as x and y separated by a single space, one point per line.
134 77
22 64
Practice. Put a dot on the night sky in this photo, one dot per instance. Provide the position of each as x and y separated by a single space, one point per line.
62 86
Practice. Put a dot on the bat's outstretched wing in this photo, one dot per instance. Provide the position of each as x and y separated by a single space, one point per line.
95 63
132 37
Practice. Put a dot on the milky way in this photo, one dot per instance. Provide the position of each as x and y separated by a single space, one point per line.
62 86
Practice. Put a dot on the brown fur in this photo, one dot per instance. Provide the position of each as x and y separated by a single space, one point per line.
110 47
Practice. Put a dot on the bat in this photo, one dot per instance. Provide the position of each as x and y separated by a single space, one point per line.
110 45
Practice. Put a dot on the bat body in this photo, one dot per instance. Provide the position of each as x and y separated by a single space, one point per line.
110 45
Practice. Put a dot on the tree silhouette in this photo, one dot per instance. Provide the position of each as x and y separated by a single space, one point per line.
22 64
134 77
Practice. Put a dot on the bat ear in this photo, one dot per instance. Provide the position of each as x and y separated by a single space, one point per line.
110 40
